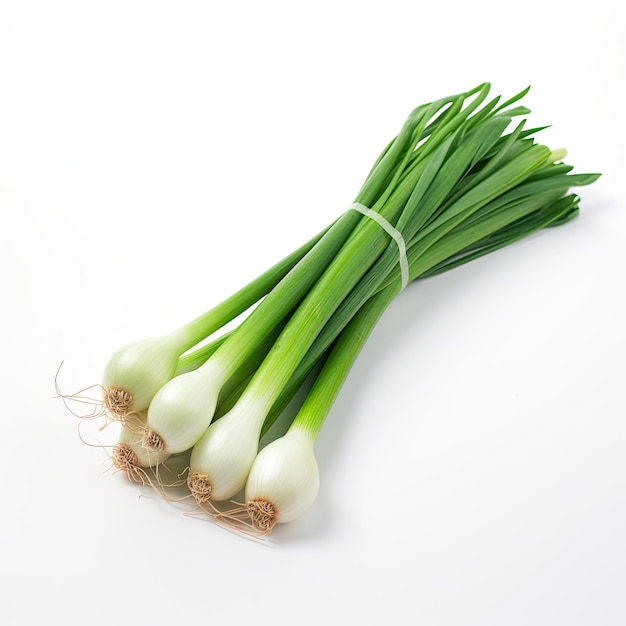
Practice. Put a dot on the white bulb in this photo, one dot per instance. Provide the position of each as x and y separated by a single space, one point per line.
136 371
182 409
225 453
283 481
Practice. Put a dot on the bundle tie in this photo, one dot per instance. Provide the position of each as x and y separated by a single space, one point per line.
393 233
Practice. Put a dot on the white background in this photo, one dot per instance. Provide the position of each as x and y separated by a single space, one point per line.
154 156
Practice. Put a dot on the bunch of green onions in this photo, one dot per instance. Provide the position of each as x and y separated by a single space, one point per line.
459 180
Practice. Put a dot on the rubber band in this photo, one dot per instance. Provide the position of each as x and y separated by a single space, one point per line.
393 233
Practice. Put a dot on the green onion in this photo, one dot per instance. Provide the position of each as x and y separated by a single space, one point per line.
453 185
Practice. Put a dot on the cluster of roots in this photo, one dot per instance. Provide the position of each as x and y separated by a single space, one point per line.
125 459
118 402
262 514
153 441
200 486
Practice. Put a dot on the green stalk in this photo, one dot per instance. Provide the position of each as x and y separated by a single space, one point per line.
559 212
194 359
214 319
315 408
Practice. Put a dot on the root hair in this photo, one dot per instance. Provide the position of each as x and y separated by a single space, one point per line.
229 515
124 458
152 440
118 401
200 486
263 515
111 404
81 397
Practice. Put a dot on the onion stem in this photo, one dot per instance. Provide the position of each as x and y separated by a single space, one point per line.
454 184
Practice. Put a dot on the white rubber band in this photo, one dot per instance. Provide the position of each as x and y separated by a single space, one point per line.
393 233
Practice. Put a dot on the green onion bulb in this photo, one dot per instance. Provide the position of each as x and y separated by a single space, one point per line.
182 409
221 459
135 372
283 481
